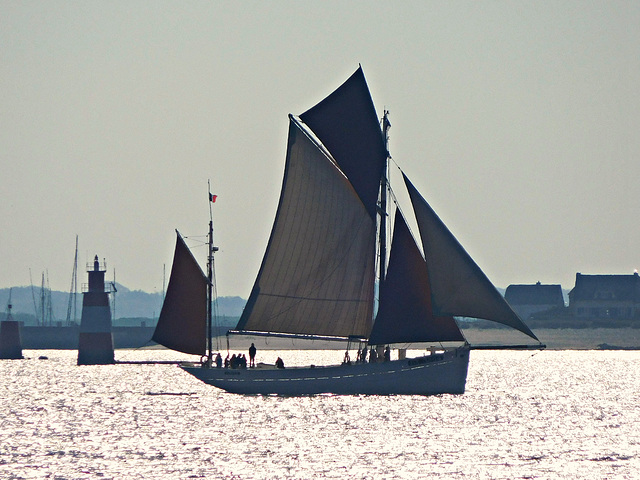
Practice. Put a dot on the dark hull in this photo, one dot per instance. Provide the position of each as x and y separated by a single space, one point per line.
429 375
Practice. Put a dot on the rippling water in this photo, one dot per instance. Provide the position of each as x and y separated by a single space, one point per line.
554 414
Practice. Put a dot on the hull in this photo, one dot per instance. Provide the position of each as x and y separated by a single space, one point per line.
428 375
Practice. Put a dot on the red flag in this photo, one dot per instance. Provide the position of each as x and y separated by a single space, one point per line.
212 198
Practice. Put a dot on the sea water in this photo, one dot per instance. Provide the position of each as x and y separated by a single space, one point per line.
552 414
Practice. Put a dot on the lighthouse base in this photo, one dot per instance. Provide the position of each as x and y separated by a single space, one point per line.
95 349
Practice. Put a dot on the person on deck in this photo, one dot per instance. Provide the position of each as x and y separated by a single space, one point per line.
252 356
218 360
363 355
387 354
279 363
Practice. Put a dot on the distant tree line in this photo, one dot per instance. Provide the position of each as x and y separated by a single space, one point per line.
28 304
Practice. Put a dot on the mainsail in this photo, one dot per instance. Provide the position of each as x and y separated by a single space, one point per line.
182 322
458 285
317 275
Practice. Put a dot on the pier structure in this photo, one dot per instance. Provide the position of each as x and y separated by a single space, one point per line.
10 340
95 345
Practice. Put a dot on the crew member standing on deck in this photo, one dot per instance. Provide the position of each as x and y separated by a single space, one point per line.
252 356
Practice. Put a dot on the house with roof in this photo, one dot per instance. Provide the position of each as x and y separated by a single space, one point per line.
527 300
606 296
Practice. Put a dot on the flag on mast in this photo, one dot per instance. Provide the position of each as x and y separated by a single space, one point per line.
212 198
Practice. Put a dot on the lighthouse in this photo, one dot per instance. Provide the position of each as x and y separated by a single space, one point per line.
95 346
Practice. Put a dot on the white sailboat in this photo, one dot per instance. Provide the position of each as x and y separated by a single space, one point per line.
318 275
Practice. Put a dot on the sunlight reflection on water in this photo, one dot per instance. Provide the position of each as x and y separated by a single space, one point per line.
545 415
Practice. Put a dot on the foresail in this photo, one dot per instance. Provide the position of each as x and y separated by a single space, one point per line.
317 275
183 318
347 125
458 285
404 313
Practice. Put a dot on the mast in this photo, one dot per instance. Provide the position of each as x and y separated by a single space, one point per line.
386 125
210 281
209 292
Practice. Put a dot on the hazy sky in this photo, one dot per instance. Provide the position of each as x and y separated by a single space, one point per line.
518 121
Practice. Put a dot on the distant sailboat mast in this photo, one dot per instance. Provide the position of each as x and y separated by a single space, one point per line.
43 301
73 291
113 299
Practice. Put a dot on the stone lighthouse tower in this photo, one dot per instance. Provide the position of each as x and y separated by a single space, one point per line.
95 346
10 342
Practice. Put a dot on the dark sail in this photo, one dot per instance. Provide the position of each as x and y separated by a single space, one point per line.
183 318
458 286
404 312
317 275
346 123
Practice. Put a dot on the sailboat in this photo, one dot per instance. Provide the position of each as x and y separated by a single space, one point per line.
326 254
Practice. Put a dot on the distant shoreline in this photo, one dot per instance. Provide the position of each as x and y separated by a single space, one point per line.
565 338
553 338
